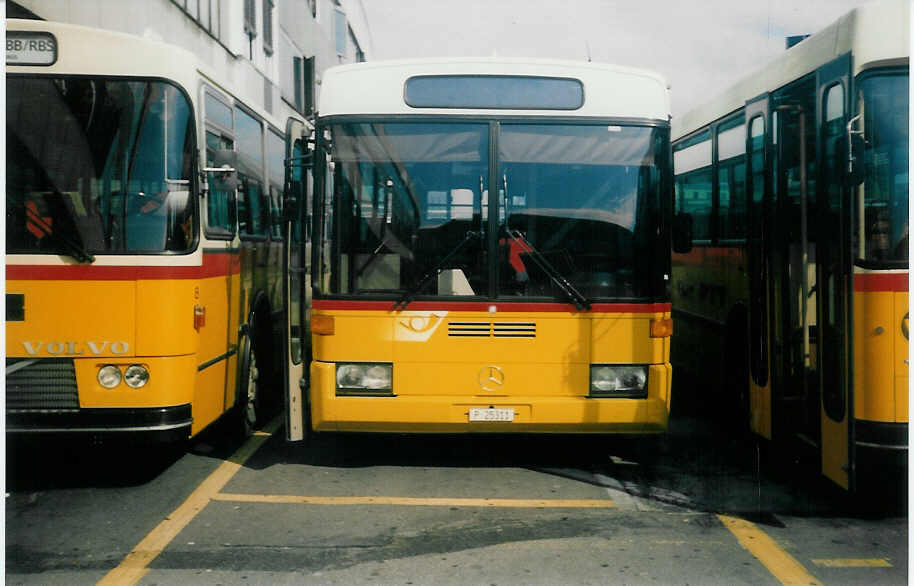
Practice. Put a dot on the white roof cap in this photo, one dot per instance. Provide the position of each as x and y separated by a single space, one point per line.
377 87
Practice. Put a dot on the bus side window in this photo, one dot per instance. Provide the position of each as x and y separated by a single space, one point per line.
692 165
276 174
731 180
221 211
253 202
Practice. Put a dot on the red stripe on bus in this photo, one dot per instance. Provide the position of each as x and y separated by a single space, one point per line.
214 265
339 304
871 282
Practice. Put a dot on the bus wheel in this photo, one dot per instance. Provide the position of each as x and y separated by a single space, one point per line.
248 404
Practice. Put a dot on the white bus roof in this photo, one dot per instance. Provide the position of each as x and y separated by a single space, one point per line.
377 87
91 51
876 34
82 50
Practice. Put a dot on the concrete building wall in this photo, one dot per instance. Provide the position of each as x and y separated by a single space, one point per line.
215 31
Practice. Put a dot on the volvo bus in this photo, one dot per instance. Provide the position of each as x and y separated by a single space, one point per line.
144 239
792 196
491 250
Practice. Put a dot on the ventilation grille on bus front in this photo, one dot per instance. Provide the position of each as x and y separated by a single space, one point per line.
484 329
47 384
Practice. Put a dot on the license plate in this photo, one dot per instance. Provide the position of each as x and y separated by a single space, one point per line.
478 414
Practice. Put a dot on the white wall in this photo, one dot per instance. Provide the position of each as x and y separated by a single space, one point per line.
295 33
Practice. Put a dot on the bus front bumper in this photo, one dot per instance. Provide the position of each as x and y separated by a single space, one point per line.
135 425
451 414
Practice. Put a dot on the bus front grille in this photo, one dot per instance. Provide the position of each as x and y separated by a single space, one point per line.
41 385
484 329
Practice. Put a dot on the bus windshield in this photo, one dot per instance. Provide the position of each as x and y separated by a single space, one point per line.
884 231
103 165
578 209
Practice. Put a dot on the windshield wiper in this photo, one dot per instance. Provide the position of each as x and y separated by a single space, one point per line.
579 300
73 247
407 297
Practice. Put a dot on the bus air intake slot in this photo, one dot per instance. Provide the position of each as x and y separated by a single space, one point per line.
48 383
491 329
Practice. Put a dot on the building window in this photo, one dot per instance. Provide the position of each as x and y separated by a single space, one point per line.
250 18
303 72
359 55
340 30
309 85
204 12
268 26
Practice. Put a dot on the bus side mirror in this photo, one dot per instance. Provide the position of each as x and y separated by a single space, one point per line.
682 232
854 164
224 175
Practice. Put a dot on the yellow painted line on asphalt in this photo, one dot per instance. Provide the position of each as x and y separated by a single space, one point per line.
853 563
136 564
415 501
781 564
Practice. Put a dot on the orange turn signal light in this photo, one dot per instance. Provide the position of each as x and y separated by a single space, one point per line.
662 328
323 325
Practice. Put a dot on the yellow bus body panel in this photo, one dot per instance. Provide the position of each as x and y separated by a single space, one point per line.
880 355
898 329
165 317
171 382
62 320
438 374
874 352
834 462
124 322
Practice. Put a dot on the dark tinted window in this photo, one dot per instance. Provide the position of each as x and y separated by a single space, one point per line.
103 164
494 91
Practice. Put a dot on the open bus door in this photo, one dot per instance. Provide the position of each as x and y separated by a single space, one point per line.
758 194
296 283
835 274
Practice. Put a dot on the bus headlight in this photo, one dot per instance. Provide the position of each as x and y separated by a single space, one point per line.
136 376
611 380
109 376
364 378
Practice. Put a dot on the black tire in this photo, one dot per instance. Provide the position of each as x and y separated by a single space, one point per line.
248 402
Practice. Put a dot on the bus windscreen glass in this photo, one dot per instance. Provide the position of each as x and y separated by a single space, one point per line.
102 165
886 183
587 198
412 210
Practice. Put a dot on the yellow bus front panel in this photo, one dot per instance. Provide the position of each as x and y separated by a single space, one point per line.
880 363
76 321
536 365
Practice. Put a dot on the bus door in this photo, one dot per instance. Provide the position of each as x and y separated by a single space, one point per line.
758 194
835 275
296 283
792 263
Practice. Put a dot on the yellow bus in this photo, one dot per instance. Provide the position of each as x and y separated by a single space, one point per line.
791 246
144 239
437 308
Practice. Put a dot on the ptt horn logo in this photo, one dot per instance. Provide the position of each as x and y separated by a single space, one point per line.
491 378
420 327
74 348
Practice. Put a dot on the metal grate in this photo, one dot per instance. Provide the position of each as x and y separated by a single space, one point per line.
484 329
469 329
41 385
514 329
